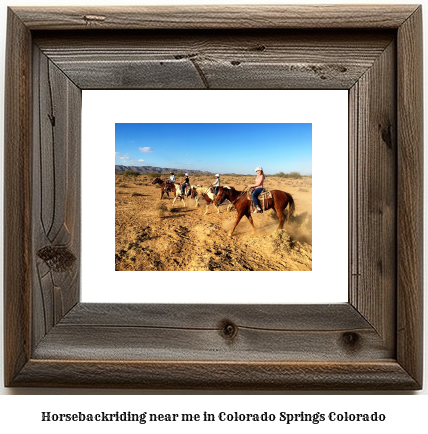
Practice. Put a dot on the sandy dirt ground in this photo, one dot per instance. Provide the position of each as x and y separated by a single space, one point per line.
152 235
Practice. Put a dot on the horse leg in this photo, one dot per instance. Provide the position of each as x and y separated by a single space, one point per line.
218 208
280 214
250 219
165 190
206 209
184 202
238 219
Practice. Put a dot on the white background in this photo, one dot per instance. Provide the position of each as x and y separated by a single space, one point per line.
328 113
404 412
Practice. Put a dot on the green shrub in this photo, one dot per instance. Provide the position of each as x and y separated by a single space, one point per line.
294 175
130 173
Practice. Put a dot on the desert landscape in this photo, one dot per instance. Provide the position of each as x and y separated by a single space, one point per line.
153 235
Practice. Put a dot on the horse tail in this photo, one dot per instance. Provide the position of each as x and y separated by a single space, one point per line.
291 206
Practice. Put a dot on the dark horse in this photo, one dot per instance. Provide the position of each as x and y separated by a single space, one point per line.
165 187
279 201
173 188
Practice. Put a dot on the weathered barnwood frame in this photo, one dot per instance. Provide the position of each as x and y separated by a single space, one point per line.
372 342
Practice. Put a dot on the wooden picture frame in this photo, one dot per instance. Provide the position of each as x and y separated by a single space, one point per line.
372 342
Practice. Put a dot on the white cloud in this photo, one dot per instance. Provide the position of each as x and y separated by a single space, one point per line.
140 160
146 149
124 157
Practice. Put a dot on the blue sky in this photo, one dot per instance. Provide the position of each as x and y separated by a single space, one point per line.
222 148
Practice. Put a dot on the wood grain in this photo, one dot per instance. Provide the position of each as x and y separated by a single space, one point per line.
216 375
261 333
17 198
217 17
372 342
373 177
56 194
410 194
216 59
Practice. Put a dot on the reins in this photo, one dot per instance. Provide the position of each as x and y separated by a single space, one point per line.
239 197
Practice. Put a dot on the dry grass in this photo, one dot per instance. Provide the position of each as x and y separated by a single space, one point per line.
281 241
160 209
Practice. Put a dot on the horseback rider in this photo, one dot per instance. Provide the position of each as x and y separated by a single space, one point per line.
258 188
185 183
171 180
216 184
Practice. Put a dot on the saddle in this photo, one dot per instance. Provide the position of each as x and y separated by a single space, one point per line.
263 197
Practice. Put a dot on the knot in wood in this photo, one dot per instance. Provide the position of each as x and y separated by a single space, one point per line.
386 134
260 48
351 340
58 259
228 330
94 18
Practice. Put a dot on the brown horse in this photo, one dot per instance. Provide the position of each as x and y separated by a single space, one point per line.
167 187
279 201
163 185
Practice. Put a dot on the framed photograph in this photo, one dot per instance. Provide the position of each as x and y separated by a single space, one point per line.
371 341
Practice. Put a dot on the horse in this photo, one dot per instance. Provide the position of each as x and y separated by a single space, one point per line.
167 187
163 185
279 201
208 195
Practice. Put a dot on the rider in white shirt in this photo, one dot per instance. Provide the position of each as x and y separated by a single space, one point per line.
217 183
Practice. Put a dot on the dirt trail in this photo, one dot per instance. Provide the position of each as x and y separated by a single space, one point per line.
183 238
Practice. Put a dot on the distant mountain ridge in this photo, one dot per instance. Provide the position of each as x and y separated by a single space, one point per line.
161 170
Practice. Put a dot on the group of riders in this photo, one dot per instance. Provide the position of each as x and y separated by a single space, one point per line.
257 186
